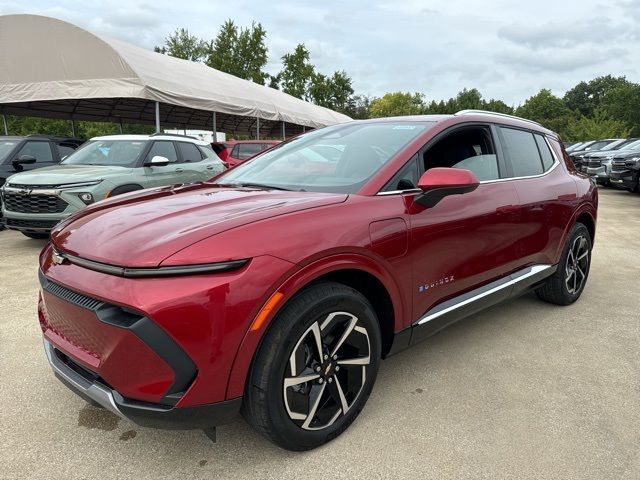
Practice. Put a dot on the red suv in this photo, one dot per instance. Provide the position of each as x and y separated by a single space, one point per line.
275 292
234 152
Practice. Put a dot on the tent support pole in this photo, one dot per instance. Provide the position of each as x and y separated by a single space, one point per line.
120 124
215 128
4 121
73 128
284 131
257 128
157 117
304 129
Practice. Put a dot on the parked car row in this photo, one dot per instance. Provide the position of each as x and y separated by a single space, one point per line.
612 162
34 201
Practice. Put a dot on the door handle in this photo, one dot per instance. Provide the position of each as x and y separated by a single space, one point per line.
209 167
179 170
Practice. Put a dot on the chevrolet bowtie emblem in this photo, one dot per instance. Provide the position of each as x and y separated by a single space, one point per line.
57 258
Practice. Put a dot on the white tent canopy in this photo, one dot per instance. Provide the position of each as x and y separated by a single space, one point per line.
52 68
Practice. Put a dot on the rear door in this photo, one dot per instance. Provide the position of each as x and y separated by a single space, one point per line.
546 194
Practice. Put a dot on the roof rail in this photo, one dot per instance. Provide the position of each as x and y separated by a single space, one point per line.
486 112
160 134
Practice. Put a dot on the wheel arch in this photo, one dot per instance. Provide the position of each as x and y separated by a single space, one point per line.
585 215
357 271
125 188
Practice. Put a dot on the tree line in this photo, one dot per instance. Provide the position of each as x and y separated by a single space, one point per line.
603 107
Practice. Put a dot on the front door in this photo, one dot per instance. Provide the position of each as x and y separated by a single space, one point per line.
466 240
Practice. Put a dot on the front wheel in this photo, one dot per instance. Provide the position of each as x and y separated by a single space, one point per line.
315 368
567 284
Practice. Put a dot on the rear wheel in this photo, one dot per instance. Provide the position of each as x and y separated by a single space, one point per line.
39 236
315 368
566 285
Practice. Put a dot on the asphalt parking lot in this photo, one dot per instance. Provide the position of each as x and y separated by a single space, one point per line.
523 390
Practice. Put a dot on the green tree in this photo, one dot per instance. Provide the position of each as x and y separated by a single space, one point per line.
181 44
623 103
358 107
547 109
497 106
586 97
240 52
598 126
396 104
297 72
333 92
469 100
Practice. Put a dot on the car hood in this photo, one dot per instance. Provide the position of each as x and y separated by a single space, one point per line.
143 229
62 174
628 154
612 153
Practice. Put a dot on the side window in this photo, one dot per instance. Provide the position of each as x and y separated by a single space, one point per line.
545 153
522 151
470 148
189 152
208 152
40 150
235 153
406 179
248 150
163 149
64 151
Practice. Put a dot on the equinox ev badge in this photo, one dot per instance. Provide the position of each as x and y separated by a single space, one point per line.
24 191
442 281
57 258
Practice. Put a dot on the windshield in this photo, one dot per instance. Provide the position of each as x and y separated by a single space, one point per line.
5 148
340 158
630 145
600 144
120 153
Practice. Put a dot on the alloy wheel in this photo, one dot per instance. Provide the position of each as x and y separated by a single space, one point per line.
326 371
577 265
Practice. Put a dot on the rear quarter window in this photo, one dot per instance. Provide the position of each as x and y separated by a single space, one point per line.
545 153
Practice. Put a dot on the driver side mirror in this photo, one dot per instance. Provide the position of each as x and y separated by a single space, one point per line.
157 161
437 183
23 160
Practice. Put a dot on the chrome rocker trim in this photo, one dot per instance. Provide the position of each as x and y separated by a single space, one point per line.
474 301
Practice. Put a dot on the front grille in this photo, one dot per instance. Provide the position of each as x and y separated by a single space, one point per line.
32 187
595 163
618 166
69 295
16 202
27 224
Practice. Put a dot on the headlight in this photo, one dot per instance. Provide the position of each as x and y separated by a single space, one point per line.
65 186
86 198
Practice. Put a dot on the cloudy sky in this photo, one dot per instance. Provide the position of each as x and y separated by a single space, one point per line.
508 49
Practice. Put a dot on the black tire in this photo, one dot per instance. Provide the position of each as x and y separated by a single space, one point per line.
567 284
269 404
124 189
37 236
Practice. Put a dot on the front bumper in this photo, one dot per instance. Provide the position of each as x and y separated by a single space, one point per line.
624 179
89 387
41 209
